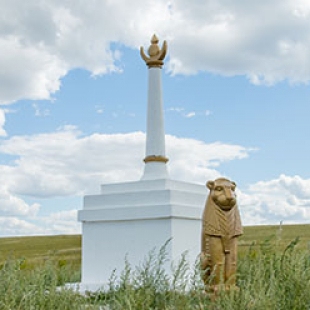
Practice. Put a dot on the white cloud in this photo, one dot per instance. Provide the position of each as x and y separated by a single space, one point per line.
62 222
12 226
99 110
38 111
11 205
196 161
228 38
234 38
28 71
190 114
2 123
285 199
67 163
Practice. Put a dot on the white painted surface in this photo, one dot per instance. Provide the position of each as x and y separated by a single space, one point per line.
155 130
154 171
138 186
106 246
131 219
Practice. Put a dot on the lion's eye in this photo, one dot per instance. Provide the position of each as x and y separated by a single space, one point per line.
219 188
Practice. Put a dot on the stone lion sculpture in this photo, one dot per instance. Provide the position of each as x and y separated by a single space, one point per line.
221 225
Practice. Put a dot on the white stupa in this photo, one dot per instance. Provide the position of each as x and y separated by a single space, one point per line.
128 220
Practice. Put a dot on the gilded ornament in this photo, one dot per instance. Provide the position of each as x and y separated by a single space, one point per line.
156 55
158 158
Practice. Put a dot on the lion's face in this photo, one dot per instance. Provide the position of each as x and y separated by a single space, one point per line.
222 192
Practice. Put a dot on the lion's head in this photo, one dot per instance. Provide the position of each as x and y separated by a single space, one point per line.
222 192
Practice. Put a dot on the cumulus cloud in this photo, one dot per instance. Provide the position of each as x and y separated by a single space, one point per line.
62 222
196 161
286 199
67 163
41 41
245 38
13 205
13 226
28 71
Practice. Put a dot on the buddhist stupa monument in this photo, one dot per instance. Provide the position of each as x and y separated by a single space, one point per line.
128 220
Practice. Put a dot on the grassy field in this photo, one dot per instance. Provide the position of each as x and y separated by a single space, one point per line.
273 273
35 249
280 236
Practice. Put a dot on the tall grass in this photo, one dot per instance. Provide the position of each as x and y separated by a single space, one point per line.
22 288
267 279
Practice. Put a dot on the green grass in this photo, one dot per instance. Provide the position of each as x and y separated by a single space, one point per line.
273 273
281 236
267 279
64 248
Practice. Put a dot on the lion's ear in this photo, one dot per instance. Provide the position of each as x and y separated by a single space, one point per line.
210 185
234 184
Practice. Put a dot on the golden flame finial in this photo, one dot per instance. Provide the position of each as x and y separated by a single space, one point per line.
156 55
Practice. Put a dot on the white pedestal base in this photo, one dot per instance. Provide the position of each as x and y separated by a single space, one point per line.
128 220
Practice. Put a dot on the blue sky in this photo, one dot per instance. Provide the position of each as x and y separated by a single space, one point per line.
73 97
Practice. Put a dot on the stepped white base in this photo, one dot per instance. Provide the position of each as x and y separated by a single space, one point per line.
128 220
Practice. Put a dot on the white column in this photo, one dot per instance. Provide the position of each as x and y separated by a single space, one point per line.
155 132
155 157
155 160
